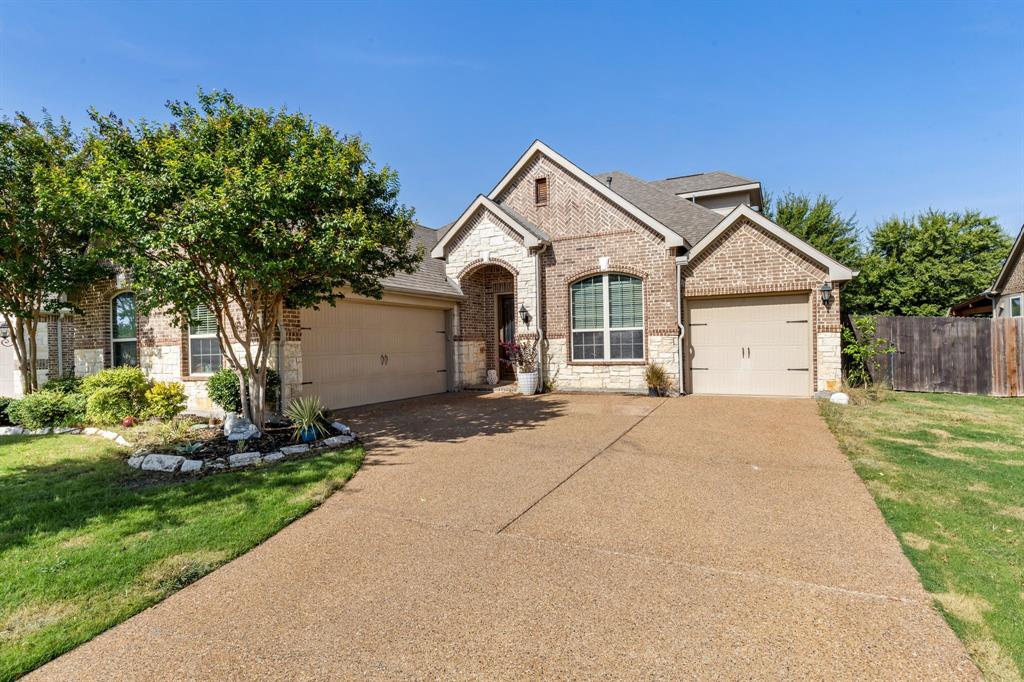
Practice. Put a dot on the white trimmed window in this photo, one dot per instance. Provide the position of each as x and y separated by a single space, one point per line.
124 346
203 347
607 314
1017 306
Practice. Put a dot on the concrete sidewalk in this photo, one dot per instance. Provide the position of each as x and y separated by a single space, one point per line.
562 536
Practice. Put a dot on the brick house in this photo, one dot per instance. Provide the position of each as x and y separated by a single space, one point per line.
610 273
1007 292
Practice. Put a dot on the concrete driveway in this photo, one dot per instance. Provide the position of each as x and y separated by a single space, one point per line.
562 536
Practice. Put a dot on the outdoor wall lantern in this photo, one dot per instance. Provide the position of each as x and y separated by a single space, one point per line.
524 315
826 293
5 334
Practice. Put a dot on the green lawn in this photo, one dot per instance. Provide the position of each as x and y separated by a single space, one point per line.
947 471
86 542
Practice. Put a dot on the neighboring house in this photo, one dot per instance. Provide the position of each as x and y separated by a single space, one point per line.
610 272
48 351
1007 292
976 306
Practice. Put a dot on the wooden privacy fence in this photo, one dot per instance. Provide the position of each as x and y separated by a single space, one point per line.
953 354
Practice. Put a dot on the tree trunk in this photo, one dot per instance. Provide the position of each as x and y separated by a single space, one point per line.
23 342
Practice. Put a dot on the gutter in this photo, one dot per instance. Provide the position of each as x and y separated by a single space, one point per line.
680 262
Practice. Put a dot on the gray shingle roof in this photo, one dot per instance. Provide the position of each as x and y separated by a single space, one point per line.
430 277
524 223
700 182
683 217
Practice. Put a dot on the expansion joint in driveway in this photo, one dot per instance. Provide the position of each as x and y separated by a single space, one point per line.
580 468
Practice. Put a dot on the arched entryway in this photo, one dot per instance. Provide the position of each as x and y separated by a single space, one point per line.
488 314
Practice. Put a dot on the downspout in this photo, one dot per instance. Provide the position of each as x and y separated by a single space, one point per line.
540 330
680 262
280 357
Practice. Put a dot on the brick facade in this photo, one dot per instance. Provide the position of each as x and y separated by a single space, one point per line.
590 235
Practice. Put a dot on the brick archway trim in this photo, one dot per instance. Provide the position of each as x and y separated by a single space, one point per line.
478 263
612 269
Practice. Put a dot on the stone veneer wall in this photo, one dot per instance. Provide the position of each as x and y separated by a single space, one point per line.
746 260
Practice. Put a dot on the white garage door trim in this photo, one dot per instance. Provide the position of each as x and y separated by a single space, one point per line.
750 345
359 352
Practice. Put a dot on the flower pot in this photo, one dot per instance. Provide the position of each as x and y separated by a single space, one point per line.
308 435
653 392
528 382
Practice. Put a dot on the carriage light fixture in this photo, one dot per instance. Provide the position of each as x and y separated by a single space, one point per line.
826 293
524 315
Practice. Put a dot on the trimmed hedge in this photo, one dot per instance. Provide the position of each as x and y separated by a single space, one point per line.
48 408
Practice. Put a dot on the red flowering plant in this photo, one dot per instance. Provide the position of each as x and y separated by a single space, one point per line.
521 355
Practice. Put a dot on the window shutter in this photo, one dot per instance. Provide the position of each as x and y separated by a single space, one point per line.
588 304
625 301
203 321
540 191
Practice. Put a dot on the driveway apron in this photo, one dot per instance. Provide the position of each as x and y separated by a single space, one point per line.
504 537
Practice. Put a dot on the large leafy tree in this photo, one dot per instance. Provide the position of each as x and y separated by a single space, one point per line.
246 210
47 227
923 265
819 223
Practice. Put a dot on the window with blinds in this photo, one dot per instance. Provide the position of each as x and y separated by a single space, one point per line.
203 346
540 191
607 314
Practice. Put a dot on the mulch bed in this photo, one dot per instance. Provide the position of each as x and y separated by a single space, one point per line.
216 445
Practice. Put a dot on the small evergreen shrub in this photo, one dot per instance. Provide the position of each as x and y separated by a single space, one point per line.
128 383
165 400
109 405
47 408
65 385
223 390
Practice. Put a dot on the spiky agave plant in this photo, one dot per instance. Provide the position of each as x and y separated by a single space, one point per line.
307 417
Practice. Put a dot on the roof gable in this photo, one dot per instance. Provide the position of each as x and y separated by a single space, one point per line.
671 237
836 270
531 234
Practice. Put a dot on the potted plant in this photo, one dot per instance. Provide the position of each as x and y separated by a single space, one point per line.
307 417
523 357
657 380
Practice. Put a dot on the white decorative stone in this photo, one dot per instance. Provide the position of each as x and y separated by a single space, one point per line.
244 459
65 429
191 466
40 432
336 441
161 462
341 428
11 430
136 461
109 435
840 399
294 449
237 427
273 456
90 430
122 442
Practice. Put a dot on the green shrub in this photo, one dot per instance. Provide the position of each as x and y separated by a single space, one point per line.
864 353
222 388
108 405
130 386
165 400
4 403
65 385
47 408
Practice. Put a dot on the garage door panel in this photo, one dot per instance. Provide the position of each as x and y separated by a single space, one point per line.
342 349
750 346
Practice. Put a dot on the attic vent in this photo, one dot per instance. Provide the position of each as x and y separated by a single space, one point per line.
540 191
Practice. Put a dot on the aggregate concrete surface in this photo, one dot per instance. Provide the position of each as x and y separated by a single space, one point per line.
583 536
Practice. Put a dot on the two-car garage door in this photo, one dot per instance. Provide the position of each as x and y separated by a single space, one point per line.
758 345
358 353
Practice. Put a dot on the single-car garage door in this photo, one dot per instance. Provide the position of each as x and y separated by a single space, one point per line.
359 353
758 345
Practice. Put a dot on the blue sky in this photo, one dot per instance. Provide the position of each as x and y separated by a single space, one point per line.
891 108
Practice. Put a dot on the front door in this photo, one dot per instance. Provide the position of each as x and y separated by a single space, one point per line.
506 333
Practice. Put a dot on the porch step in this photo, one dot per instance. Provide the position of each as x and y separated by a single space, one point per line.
500 387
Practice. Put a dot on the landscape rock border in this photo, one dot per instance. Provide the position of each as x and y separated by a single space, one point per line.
160 462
